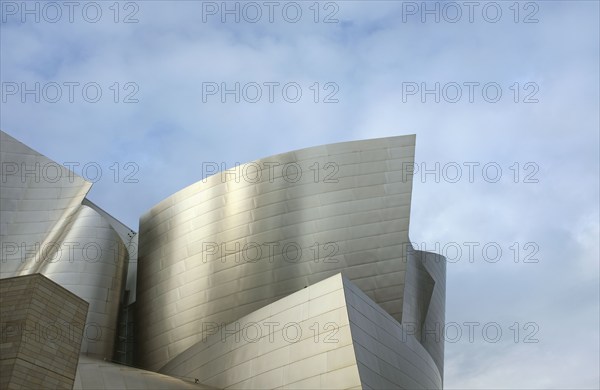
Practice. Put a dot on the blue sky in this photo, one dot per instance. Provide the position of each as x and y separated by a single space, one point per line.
156 123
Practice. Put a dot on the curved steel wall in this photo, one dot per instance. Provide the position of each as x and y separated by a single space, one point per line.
424 311
38 198
234 243
94 374
358 343
302 341
388 354
95 271
199 259
45 228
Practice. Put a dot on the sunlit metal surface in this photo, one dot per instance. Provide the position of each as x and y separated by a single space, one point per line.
94 374
424 308
228 245
314 236
38 198
49 227
329 335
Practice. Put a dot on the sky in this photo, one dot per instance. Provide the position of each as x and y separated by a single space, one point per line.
141 96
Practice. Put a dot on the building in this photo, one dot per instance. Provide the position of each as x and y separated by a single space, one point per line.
291 271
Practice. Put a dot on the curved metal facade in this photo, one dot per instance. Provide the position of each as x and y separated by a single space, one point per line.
388 354
38 198
94 374
94 271
424 310
238 240
279 345
314 236
340 338
49 227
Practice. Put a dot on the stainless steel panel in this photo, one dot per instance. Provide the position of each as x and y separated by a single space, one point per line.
219 223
